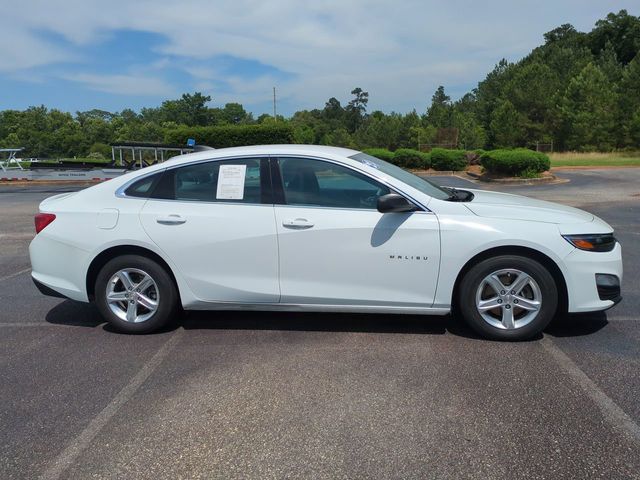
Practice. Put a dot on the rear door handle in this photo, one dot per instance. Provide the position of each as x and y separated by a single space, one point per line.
298 223
171 220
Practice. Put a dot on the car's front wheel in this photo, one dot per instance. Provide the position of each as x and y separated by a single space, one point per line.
135 294
508 297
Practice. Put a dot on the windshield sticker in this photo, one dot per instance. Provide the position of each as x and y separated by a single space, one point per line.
231 182
369 163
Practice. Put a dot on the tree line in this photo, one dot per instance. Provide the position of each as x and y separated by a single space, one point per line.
578 90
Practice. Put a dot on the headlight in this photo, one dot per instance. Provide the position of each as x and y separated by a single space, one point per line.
596 242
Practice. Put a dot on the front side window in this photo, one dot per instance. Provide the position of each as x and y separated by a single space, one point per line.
317 183
421 184
237 181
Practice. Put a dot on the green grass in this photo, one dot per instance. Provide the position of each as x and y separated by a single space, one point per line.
595 159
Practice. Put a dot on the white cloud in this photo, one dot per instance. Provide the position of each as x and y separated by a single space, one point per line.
20 50
123 84
399 51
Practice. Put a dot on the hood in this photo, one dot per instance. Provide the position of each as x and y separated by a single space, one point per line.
516 207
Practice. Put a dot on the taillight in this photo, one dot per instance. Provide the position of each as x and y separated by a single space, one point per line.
42 220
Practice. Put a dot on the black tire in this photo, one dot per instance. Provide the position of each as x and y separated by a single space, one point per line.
543 286
163 290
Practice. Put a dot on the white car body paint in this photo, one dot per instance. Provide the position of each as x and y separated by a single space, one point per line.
229 256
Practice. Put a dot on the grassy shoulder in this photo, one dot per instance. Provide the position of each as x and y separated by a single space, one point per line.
595 159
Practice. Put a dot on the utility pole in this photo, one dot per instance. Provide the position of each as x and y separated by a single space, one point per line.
275 118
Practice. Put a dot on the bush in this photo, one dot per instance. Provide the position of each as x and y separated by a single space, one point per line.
520 162
473 156
408 158
96 156
232 135
381 153
102 148
442 159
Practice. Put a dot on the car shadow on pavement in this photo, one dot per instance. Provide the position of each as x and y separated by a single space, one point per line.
577 324
86 315
316 322
75 314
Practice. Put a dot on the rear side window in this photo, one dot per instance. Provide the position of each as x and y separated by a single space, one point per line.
144 187
236 181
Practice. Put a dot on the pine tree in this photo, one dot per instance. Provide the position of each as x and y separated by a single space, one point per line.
589 109
507 126
629 100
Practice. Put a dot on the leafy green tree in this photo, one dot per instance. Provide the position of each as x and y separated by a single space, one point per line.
620 30
380 130
234 113
333 110
190 109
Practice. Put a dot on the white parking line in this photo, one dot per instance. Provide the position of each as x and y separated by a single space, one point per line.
15 274
84 439
623 319
31 324
612 413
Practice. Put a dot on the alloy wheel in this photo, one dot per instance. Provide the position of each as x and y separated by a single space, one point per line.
132 295
508 299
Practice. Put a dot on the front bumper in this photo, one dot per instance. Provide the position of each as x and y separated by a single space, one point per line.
586 293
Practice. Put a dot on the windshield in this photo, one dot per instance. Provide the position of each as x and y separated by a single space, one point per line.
419 183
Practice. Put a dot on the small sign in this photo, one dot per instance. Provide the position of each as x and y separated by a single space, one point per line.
191 142
369 163
231 182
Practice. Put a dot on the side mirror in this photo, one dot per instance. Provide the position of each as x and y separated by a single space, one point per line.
393 202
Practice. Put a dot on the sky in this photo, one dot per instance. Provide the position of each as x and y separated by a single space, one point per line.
77 55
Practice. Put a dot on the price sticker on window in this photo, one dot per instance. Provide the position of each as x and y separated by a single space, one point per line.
231 182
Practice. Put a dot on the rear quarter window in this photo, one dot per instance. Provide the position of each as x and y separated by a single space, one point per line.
144 187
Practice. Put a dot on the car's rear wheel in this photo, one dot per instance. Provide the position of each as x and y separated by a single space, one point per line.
508 297
135 294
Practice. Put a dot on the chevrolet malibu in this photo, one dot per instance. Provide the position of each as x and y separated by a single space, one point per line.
310 228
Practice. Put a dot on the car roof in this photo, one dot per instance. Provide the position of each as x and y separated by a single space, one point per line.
288 149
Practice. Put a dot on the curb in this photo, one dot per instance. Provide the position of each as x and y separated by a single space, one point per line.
437 173
517 181
26 181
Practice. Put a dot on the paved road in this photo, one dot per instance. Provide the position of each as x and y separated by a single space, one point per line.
266 395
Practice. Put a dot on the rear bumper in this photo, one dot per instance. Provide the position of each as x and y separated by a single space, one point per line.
59 267
50 292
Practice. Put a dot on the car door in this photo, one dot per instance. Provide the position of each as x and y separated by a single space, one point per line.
215 221
337 249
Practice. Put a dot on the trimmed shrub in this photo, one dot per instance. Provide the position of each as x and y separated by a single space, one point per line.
520 162
443 159
408 158
381 153
232 135
473 156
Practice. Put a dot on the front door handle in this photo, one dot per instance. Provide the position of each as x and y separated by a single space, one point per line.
171 220
298 223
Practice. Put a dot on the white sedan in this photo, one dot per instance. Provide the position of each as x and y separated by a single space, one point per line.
310 228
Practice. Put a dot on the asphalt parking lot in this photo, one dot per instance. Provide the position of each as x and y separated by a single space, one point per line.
273 395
